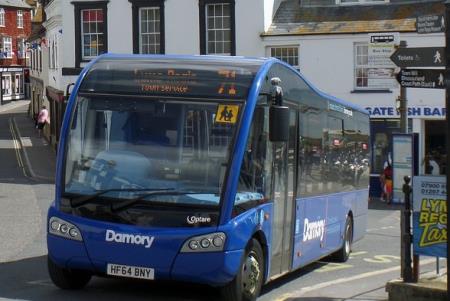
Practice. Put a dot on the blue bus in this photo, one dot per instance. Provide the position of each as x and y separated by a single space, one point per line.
225 171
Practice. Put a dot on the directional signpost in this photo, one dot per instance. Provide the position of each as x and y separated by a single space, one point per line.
419 57
421 78
430 24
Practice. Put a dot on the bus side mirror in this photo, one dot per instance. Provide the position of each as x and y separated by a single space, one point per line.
278 123
66 97
278 114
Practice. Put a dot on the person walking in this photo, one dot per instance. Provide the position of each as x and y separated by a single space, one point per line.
42 120
388 182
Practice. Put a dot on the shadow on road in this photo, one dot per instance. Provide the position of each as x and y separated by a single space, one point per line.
28 280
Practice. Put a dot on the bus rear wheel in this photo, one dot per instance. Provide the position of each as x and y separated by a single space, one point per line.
69 279
343 254
247 284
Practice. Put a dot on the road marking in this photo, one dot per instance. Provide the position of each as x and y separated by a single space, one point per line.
331 266
17 147
381 228
304 290
381 259
43 282
353 254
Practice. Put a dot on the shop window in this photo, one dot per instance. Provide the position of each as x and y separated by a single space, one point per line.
217 27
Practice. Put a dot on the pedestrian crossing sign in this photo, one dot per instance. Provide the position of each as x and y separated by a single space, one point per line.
227 113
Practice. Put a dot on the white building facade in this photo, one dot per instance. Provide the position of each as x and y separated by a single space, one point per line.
328 41
78 31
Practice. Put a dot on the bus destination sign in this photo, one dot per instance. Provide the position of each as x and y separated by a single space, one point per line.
229 82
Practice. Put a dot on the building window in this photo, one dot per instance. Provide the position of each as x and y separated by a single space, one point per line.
90 30
148 26
149 30
19 19
7 47
287 54
2 17
361 65
217 27
21 48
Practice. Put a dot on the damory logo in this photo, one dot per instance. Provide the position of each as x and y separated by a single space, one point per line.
313 230
124 238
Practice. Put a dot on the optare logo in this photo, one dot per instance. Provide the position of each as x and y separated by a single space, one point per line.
124 238
192 220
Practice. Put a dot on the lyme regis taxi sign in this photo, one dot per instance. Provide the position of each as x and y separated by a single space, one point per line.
430 215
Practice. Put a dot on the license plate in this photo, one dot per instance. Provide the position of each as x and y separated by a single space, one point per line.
130 271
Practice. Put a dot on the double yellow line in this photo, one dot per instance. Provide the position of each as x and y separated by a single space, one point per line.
17 146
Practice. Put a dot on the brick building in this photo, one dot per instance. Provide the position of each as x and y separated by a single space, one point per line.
15 27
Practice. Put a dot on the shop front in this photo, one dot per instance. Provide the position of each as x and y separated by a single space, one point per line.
12 84
426 120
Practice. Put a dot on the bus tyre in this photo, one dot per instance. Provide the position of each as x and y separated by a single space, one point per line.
247 284
67 278
343 254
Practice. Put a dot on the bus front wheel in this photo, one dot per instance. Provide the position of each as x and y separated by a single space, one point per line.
343 254
67 278
247 284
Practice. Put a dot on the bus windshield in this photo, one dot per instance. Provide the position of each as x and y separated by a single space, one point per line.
119 148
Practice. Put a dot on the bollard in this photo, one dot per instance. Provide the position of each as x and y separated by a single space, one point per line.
406 233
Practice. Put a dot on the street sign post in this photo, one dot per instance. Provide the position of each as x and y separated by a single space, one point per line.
419 57
430 24
421 78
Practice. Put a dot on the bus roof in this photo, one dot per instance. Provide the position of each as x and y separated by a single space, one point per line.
228 77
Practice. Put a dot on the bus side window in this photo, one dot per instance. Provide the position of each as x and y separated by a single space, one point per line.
311 152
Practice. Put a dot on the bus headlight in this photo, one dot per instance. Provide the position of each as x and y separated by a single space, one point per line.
59 227
213 242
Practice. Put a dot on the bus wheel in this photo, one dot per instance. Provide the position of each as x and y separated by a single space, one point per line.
247 284
67 278
343 254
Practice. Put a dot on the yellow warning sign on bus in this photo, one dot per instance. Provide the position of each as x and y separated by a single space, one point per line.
227 113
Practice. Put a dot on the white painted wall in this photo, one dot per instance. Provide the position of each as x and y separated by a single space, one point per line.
249 25
182 27
328 62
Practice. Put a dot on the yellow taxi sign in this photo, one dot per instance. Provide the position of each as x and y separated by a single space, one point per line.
227 113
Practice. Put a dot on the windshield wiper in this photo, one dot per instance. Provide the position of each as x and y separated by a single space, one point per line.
82 200
128 203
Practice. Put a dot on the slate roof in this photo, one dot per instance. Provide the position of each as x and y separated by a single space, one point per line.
293 19
14 3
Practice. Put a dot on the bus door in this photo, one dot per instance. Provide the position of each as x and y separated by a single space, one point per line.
283 180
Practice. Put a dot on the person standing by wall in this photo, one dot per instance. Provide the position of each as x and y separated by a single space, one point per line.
42 120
